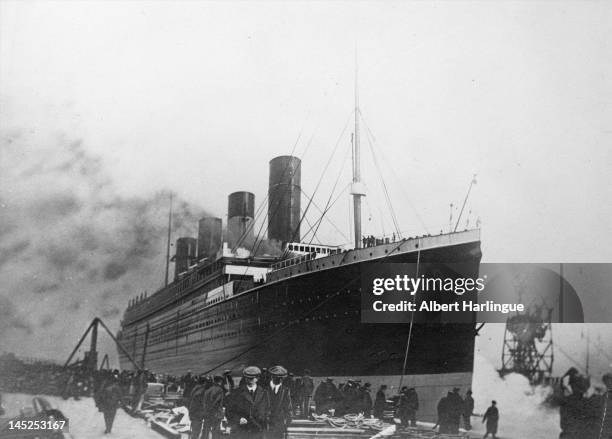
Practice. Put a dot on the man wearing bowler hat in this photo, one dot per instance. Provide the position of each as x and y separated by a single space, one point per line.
248 410
280 403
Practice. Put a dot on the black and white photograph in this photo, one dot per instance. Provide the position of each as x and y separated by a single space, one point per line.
305 219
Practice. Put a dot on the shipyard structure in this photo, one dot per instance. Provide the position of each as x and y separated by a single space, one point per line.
237 300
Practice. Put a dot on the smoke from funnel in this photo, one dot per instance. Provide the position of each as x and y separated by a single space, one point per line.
71 245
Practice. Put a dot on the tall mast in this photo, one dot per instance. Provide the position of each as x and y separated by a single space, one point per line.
357 188
168 243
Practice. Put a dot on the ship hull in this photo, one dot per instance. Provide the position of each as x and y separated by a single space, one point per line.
312 321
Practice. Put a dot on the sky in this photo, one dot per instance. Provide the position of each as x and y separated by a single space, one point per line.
108 107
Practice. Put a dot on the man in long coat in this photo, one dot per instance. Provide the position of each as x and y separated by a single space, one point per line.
248 408
109 401
326 396
455 410
213 409
366 400
306 391
468 409
444 414
280 403
380 402
491 416
408 406
196 408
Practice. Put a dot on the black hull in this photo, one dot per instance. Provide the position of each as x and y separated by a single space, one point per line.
312 321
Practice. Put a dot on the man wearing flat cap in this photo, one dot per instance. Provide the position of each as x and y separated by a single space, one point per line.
248 410
280 403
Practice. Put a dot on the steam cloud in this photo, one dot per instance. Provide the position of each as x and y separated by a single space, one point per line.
522 409
71 248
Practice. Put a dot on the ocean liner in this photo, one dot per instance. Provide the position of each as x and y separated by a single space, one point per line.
238 300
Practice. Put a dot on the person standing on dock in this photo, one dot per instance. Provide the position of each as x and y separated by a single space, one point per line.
140 387
380 402
249 407
444 414
228 381
196 407
366 400
189 382
408 406
413 404
110 398
280 403
455 410
491 416
213 409
307 387
468 409
326 396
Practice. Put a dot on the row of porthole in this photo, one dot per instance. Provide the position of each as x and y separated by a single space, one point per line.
269 325
171 336
202 325
234 315
226 334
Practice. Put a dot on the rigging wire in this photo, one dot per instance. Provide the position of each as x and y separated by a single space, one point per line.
322 175
311 226
401 186
259 238
327 205
256 244
384 185
472 183
411 320
323 212
317 224
251 226
283 328
263 203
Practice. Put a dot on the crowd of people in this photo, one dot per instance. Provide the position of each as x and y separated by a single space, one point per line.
40 377
584 416
265 401
452 408
372 241
261 404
